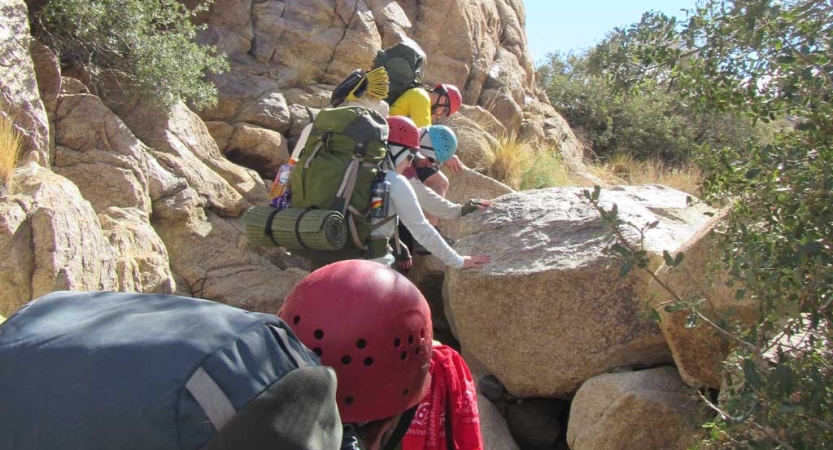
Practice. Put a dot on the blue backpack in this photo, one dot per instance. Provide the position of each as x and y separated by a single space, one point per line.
104 370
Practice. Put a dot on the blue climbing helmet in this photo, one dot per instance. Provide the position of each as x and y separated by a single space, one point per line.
437 142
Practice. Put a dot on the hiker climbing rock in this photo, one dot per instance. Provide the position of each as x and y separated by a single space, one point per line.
373 327
403 142
408 97
445 100
437 144
335 209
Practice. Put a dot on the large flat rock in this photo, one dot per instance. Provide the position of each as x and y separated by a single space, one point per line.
552 310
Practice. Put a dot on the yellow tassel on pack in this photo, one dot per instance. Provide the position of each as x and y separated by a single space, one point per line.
374 84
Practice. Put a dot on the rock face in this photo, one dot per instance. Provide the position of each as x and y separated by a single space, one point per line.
646 409
699 351
136 200
19 96
493 427
275 46
551 310
52 240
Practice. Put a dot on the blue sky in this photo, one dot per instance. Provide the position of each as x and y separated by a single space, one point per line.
561 25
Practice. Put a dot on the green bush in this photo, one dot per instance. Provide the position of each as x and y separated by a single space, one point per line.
149 42
770 61
643 117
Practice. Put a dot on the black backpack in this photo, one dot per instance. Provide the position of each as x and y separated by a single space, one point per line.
403 63
104 370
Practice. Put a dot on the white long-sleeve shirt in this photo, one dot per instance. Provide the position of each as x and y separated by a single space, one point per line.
434 203
404 203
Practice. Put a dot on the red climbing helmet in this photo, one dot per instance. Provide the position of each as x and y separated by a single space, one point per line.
403 131
373 327
452 95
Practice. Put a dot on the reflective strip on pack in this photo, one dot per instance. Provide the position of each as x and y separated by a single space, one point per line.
211 398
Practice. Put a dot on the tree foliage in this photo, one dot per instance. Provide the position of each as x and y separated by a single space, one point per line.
767 60
150 43
624 105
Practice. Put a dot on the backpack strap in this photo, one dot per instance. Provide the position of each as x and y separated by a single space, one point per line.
401 428
347 186
267 230
298 228
351 225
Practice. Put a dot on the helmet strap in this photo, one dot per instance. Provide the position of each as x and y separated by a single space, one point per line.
442 94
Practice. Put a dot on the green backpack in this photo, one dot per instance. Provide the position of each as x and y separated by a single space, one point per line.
403 63
345 153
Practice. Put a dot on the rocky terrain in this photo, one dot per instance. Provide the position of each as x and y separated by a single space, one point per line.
115 194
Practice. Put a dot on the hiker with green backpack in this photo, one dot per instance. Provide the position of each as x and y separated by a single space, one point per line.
348 194
408 97
345 194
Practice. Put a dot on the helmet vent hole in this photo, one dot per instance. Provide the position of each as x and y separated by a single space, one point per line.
397 342
422 333
348 401
296 320
416 350
403 355
368 361
318 351
346 360
361 344
410 339
405 392
318 334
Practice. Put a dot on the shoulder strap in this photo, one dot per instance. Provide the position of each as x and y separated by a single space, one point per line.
401 428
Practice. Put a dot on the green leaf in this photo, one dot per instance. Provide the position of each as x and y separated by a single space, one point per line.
625 269
751 375
622 250
740 294
656 316
669 260
781 381
679 259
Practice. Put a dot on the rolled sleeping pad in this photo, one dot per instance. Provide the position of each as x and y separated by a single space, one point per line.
295 228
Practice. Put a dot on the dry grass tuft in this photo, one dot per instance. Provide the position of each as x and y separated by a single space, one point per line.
507 160
625 169
523 167
11 143
303 74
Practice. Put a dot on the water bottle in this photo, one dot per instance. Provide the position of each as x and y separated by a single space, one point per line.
379 199
282 201
281 180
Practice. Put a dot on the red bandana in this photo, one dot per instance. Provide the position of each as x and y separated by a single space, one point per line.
452 394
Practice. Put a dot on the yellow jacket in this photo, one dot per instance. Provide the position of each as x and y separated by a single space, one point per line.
414 103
